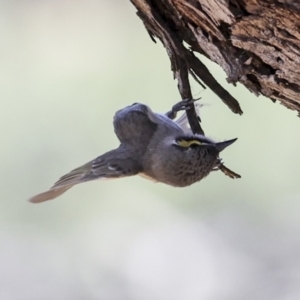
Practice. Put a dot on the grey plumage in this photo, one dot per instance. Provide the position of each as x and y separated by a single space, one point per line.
152 145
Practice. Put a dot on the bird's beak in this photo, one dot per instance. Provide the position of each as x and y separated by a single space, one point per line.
221 146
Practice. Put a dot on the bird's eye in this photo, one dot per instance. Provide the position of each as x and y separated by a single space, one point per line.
188 143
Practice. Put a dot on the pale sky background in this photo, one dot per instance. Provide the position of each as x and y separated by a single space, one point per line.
66 67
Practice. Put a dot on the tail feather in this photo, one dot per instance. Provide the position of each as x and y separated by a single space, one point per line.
183 122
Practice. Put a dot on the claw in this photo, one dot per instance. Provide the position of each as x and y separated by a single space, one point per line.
185 104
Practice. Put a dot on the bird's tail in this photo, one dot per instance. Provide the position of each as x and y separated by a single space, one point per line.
63 184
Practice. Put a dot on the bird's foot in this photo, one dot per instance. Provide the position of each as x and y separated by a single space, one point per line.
185 104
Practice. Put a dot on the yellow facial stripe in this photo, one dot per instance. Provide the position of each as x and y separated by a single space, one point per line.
186 144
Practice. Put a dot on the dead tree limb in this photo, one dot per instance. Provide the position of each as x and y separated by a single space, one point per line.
256 42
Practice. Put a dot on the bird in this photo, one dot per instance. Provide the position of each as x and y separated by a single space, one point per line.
152 145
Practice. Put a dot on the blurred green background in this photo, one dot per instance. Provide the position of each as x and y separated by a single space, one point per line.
66 67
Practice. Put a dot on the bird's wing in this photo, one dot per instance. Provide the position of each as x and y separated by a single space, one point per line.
115 166
49 195
109 165
63 184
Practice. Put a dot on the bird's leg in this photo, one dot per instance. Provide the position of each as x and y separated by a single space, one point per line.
182 105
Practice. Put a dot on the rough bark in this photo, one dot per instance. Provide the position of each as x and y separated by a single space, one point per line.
256 42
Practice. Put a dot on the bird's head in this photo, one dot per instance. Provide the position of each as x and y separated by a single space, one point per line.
187 159
200 143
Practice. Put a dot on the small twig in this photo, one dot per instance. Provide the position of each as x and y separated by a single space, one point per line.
228 172
201 71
